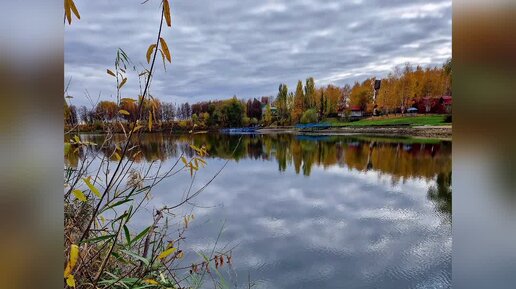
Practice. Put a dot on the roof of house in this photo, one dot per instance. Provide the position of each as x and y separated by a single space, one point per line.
355 108
447 99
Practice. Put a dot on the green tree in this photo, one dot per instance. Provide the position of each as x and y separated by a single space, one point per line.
281 103
234 111
321 105
267 117
309 97
309 116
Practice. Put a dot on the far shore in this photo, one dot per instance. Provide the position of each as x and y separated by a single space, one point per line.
441 131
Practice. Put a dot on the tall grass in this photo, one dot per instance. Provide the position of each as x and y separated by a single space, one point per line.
106 190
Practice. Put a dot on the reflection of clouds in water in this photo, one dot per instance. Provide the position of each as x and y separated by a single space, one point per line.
323 229
338 227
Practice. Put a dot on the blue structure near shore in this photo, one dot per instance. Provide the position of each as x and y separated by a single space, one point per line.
239 130
313 126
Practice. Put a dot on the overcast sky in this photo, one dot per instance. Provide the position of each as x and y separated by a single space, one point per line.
248 47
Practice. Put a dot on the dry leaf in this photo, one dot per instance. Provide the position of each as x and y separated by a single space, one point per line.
166 12
68 11
122 83
150 120
149 51
74 9
164 46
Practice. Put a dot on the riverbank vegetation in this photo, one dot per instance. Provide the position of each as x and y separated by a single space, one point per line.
405 87
416 120
108 243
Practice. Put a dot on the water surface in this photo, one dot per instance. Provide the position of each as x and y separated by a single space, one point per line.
317 211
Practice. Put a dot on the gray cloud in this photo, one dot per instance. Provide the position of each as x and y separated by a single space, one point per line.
244 47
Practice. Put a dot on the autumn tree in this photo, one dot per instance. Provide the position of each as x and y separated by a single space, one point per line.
333 95
299 103
321 104
70 114
281 103
128 109
361 94
106 110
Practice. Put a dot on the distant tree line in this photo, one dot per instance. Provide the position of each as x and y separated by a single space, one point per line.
306 104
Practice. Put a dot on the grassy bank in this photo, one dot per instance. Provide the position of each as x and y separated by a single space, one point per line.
416 120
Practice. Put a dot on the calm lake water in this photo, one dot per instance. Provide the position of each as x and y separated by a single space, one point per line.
316 212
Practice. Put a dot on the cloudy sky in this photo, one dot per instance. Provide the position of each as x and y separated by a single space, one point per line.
248 47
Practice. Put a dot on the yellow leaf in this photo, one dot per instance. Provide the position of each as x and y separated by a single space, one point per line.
184 160
164 46
91 187
110 72
74 255
202 161
123 111
149 52
150 281
150 120
162 56
117 156
79 195
70 281
195 165
74 9
166 12
167 252
68 11
122 83
137 128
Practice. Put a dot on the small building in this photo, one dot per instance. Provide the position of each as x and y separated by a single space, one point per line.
273 110
266 100
356 112
441 105
446 101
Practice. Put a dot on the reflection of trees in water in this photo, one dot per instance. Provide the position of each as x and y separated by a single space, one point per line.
401 159
441 194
